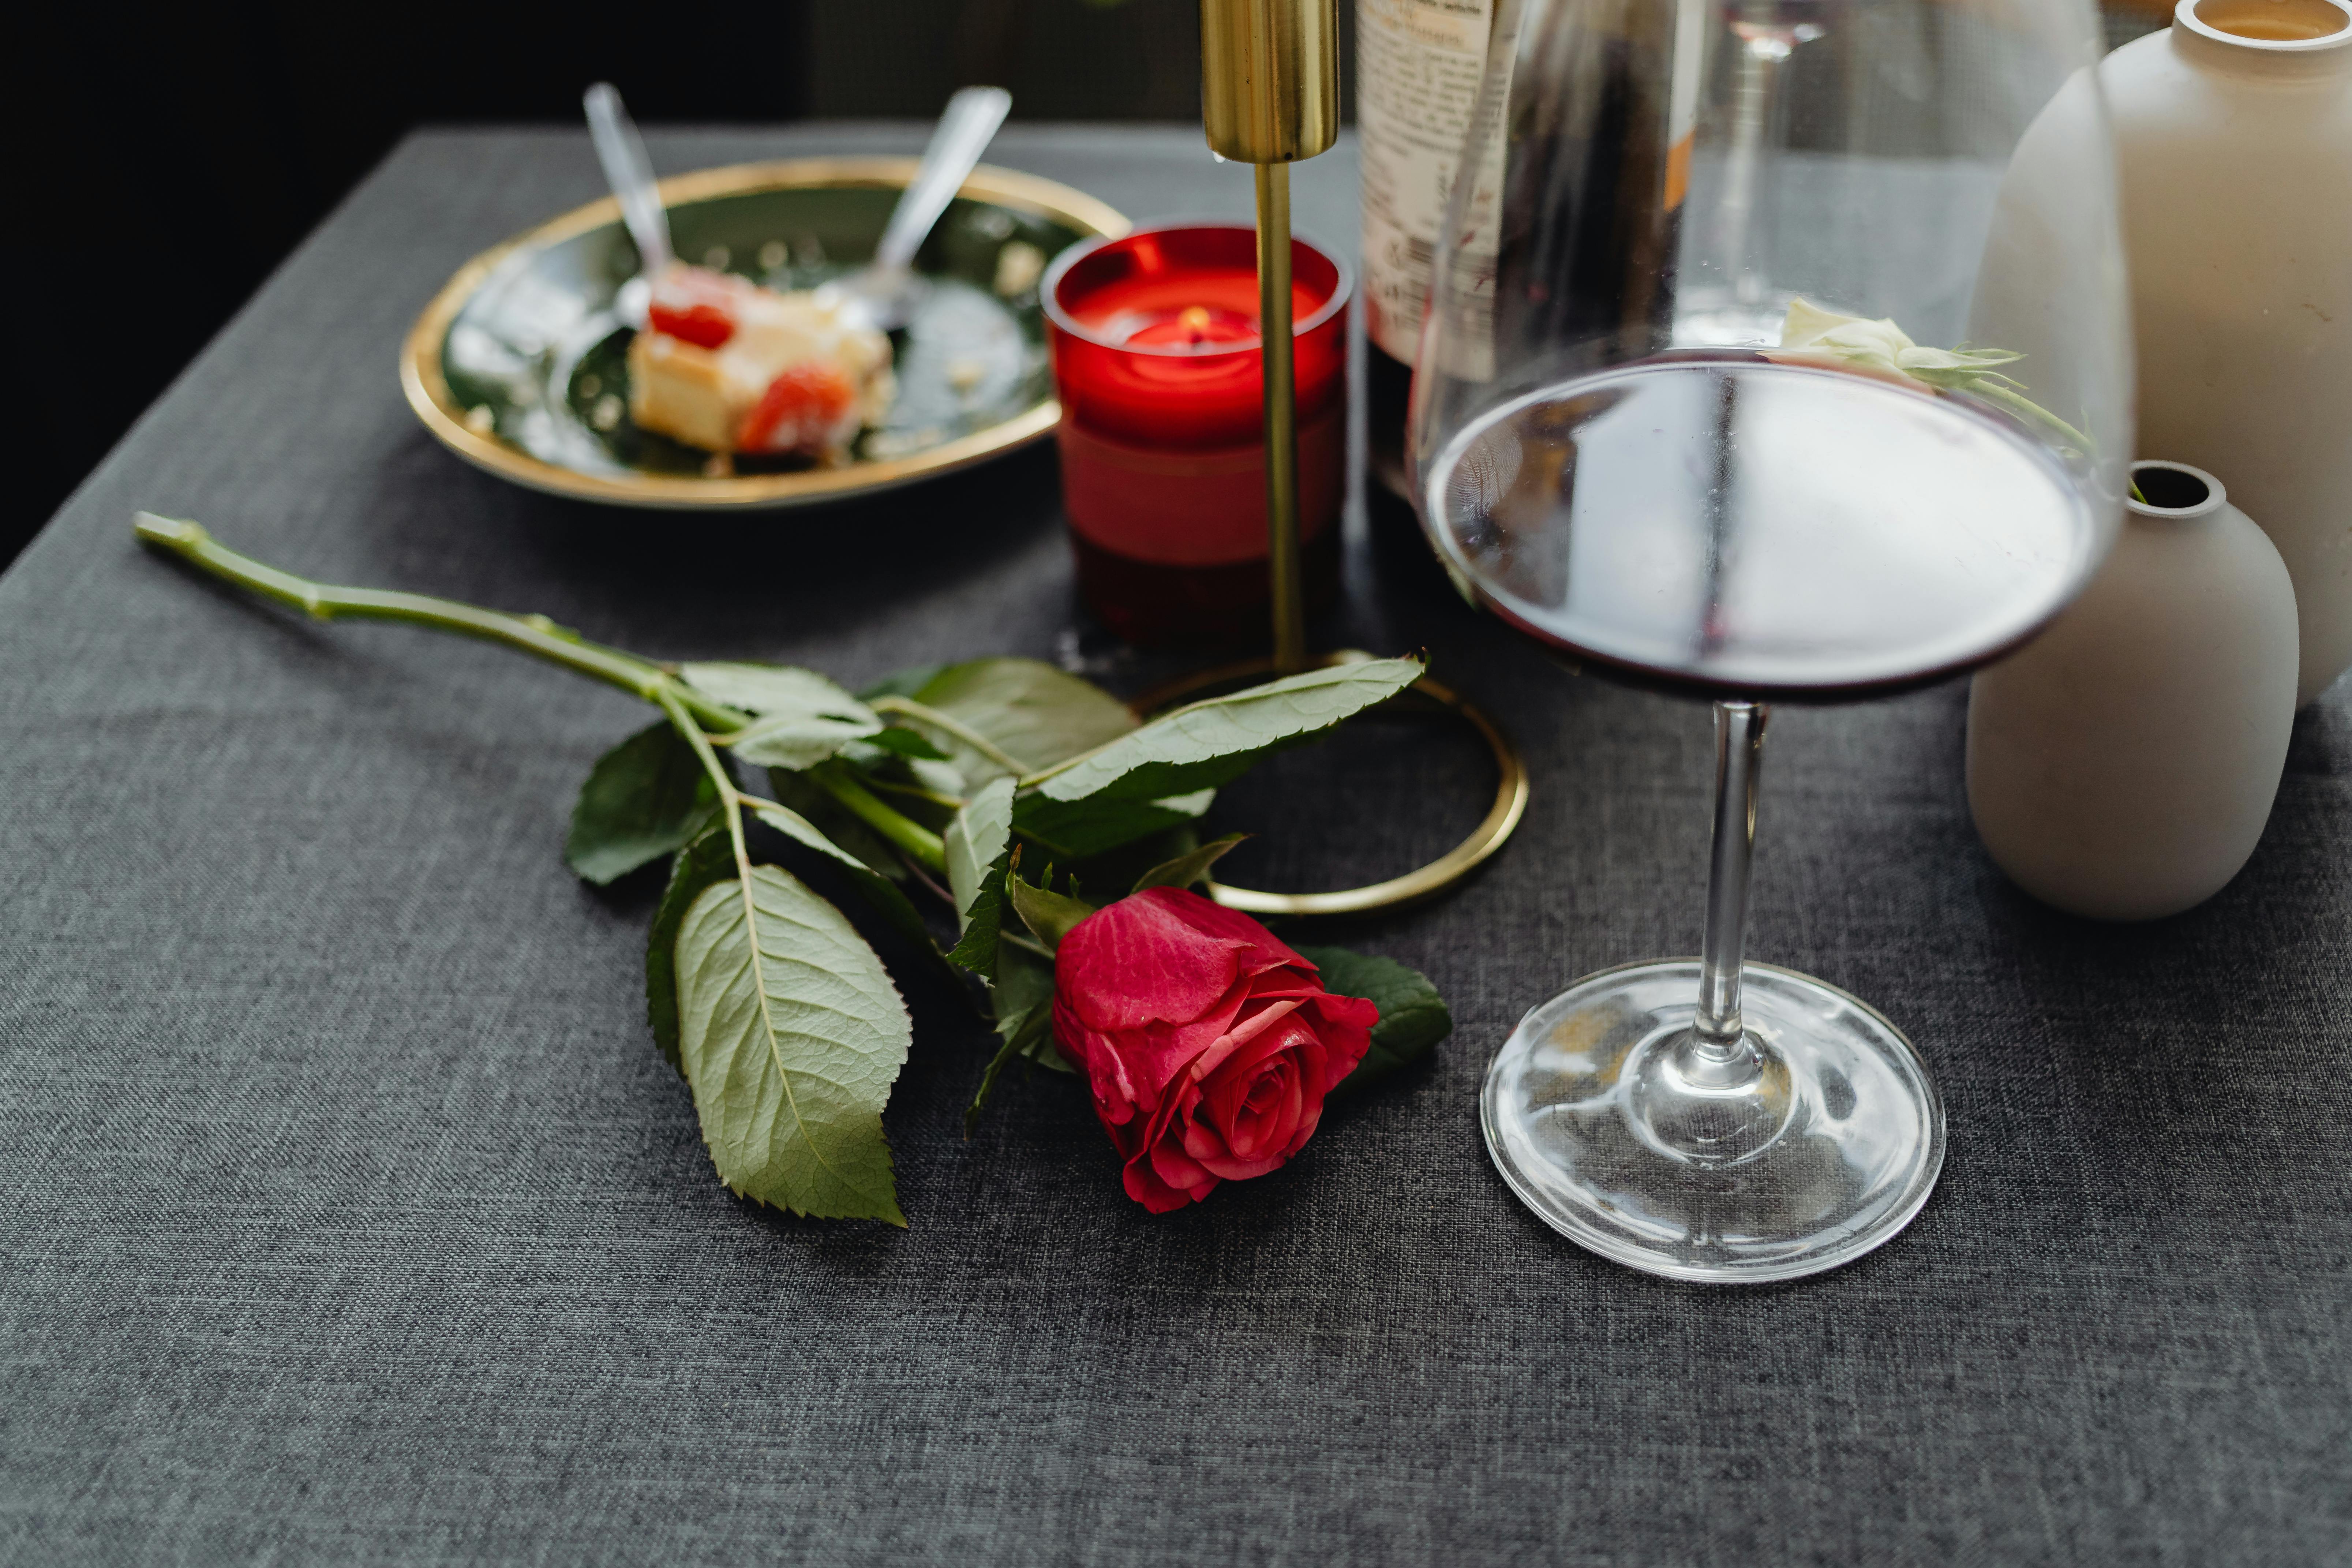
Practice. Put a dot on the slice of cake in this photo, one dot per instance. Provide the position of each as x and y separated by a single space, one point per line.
729 366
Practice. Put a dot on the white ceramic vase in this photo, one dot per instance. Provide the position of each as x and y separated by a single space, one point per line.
2121 765
2233 136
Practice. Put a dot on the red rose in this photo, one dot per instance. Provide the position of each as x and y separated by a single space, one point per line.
1209 1044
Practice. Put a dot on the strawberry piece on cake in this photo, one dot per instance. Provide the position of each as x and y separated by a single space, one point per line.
729 366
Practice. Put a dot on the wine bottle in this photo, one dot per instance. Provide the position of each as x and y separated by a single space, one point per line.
1418 67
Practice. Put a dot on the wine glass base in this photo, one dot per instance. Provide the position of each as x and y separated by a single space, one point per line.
1827 1153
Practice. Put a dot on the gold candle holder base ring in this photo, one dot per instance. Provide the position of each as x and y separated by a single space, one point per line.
1502 817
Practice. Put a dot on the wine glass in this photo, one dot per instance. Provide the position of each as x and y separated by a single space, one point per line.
1788 360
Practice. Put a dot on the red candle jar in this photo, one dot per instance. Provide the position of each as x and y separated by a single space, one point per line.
1156 358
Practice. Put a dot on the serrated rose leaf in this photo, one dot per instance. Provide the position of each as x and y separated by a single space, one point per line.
1024 999
642 800
872 886
976 948
940 778
1413 1017
1023 996
801 719
901 683
906 742
799 742
1205 744
792 1035
974 841
1033 713
708 857
774 689
1082 829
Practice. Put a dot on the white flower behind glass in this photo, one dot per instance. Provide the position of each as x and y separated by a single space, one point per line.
1880 347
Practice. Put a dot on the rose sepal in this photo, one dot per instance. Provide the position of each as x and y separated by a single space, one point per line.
1050 916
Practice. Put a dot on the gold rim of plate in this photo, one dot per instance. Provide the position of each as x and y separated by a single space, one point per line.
429 392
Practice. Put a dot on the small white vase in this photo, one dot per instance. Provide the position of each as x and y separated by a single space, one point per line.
2121 765
2234 137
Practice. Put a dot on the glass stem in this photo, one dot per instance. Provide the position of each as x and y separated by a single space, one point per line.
1738 760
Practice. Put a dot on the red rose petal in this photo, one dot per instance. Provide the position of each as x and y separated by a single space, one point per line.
1209 1044
1238 1036
1345 1027
1208 916
1247 1120
1136 962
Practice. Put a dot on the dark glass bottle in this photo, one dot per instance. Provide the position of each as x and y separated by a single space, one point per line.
1418 67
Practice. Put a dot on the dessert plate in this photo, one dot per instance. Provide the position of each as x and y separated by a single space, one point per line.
519 365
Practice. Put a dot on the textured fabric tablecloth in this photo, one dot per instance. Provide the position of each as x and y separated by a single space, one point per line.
348 1212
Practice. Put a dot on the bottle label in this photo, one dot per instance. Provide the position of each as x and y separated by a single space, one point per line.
1418 67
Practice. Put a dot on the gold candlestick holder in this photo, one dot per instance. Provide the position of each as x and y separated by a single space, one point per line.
1270 97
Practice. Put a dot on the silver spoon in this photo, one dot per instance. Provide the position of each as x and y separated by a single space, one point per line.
886 290
630 173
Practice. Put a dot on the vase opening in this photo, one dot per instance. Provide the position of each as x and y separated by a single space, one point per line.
2270 21
2175 490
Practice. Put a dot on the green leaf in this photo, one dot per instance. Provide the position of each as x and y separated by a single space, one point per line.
792 1035
1039 1047
799 742
976 948
1081 829
907 743
1412 1015
1035 713
974 841
1024 986
774 689
901 683
817 805
873 887
983 828
1114 871
941 778
803 717
643 799
1186 870
1023 995
895 765
1048 914
1209 743
710 857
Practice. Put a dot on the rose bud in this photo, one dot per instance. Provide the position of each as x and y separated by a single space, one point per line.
1209 1044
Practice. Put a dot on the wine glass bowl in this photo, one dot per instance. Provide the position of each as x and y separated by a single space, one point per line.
1785 358
1726 525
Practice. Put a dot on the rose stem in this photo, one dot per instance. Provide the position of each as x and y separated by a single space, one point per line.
535 635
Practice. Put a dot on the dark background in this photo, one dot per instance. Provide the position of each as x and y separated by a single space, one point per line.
175 157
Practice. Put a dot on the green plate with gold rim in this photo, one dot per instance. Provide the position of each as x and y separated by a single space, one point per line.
519 366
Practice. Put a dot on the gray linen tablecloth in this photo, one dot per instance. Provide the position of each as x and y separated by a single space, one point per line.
350 1214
